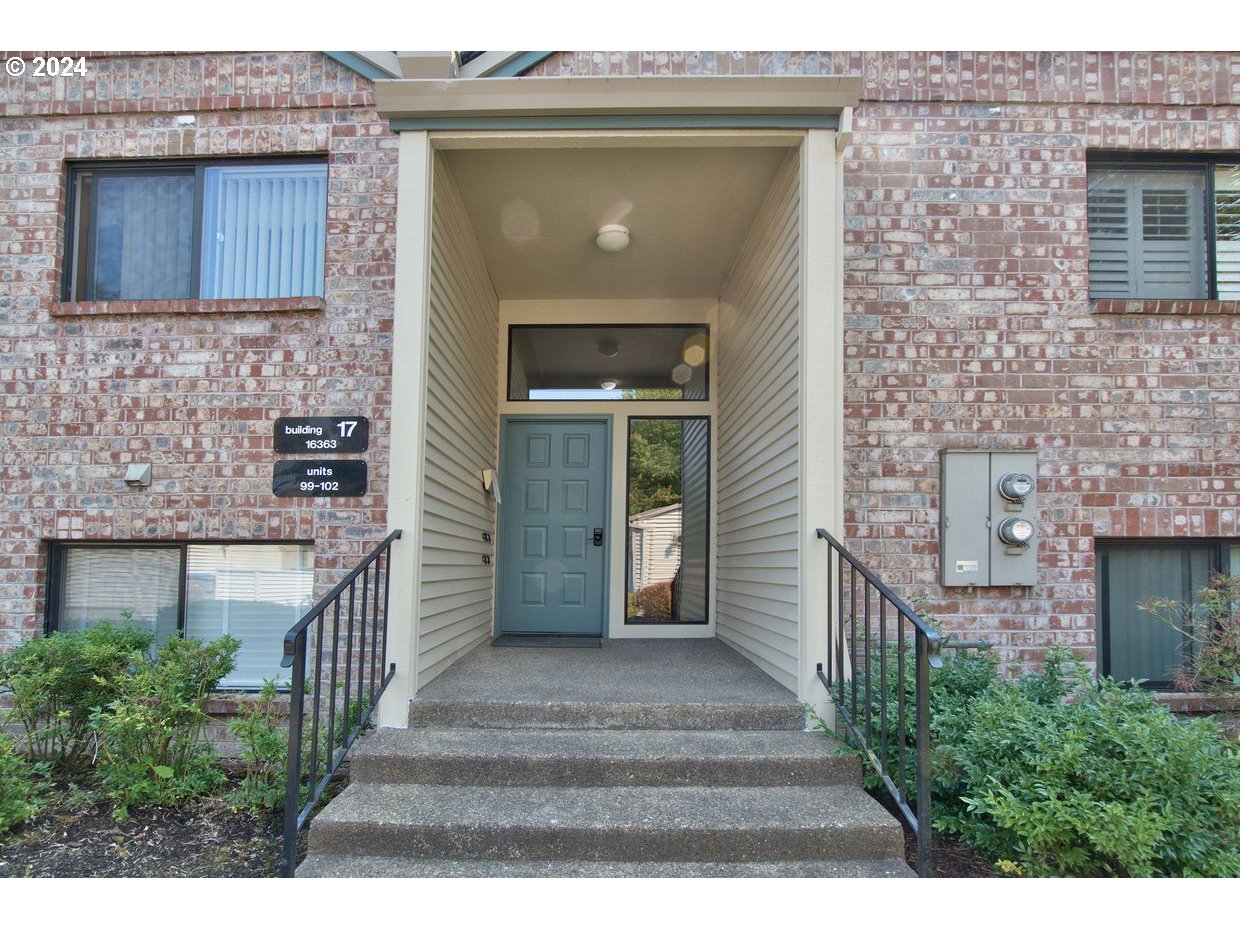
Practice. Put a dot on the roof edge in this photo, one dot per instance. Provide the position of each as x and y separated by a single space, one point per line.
517 97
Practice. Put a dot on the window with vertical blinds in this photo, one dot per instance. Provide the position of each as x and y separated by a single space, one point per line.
211 230
1134 642
253 592
1164 231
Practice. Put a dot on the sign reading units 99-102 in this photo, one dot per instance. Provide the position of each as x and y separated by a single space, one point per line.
319 478
322 434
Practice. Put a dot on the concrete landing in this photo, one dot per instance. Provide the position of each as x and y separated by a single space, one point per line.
626 684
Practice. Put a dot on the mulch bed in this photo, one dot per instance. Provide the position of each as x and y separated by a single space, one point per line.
204 839
950 857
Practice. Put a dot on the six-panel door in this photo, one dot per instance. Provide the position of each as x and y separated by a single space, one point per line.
553 528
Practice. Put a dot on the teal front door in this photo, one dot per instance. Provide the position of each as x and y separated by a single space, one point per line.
553 527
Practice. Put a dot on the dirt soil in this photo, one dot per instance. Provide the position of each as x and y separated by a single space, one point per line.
950 857
200 840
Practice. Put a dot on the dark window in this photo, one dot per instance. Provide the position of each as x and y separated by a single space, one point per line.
621 362
668 496
1164 230
1134 643
190 230
252 591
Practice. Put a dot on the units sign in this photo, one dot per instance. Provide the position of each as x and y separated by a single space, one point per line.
322 434
319 478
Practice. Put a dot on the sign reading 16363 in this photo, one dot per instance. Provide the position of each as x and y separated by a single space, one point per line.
322 434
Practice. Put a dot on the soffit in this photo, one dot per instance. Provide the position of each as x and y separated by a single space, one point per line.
535 213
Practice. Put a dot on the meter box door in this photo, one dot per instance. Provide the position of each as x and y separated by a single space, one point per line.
988 518
964 516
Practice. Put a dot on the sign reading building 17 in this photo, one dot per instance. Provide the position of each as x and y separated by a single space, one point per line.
322 434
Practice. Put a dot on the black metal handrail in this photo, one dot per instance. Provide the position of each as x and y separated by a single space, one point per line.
860 690
343 709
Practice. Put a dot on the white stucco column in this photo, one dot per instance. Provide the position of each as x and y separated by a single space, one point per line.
822 396
413 237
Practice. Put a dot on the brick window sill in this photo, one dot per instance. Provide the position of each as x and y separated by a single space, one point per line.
1167 306
115 307
1196 702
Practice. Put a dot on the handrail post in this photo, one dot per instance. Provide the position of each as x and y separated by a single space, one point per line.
924 816
292 773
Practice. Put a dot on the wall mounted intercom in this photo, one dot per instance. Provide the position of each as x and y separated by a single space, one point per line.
988 518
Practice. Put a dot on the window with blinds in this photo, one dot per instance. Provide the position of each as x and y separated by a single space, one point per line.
1164 230
253 592
1135 643
197 230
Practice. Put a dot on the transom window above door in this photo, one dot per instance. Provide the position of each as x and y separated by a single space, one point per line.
618 362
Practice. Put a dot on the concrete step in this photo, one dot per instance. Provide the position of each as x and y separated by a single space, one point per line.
625 824
584 758
339 866
607 715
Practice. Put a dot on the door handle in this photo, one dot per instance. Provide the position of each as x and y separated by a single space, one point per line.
598 536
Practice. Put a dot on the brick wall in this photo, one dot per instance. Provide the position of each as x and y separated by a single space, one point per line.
190 386
968 322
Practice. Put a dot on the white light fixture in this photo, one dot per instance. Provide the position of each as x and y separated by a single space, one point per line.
612 238
607 384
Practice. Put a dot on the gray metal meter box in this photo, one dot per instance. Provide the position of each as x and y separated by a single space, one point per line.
988 518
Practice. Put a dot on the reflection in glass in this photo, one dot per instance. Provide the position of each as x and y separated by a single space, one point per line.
668 498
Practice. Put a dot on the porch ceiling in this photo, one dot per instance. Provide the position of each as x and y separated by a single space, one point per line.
535 213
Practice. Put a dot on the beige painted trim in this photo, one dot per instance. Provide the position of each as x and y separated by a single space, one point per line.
602 311
822 400
409 332
616 138
615 96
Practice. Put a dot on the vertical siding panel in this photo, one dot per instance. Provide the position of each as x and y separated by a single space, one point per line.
456 595
758 509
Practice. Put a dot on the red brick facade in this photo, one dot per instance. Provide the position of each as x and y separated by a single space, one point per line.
968 322
191 387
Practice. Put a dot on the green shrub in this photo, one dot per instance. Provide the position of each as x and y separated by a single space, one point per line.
21 784
1058 773
261 727
57 680
151 746
1107 782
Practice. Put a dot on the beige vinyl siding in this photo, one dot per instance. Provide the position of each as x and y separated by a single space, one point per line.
758 505
656 556
456 593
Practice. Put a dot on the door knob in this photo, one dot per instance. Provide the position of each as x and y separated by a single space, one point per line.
598 536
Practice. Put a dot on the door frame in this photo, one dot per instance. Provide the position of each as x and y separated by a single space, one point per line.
501 564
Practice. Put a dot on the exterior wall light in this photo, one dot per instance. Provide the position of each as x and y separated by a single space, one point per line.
612 238
138 476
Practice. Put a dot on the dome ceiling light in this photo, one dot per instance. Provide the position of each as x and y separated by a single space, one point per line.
612 238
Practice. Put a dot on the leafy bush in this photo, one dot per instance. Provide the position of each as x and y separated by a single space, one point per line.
262 729
57 680
1110 783
151 746
654 601
21 783
1211 631
1058 773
